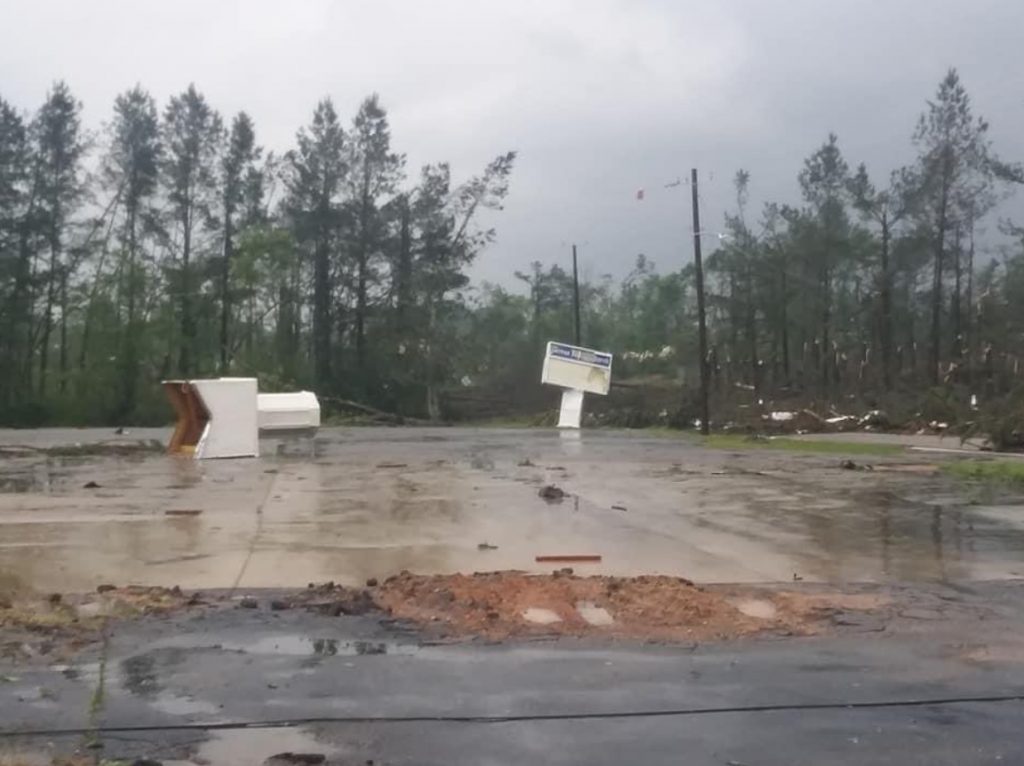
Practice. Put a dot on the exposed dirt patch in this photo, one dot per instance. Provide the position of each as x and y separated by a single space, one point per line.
500 605
55 626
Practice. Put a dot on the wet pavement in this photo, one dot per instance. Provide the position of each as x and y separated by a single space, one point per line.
359 503
238 686
937 678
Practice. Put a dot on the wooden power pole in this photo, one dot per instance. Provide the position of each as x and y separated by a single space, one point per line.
575 296
702 327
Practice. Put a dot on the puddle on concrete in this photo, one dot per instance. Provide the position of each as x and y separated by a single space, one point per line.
303 646
139 676
336 517
42 479
178 704
246 747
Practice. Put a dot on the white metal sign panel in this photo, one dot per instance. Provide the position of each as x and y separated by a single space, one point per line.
581 369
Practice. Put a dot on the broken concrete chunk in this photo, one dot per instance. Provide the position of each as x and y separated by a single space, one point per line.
756 607
595 615
540 616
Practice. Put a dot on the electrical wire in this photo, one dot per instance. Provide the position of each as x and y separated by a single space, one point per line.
525 718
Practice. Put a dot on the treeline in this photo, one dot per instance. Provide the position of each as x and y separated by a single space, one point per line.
170 244
869 288
876 283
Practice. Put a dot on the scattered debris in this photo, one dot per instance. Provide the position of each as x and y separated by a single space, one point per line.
619 508
295 759
182 512
105 588
486 547
796 577
120 431
278 605
392 465
371 583
335 600
551 493
573 557
847 465
874 419
525 463
248 603
926 469
91 485
841 422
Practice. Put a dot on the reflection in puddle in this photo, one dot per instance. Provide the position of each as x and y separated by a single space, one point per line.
42 479
301 646
139 676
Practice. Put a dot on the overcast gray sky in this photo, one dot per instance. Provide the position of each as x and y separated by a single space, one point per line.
600 97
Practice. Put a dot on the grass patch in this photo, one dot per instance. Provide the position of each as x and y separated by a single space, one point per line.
812 446
996 471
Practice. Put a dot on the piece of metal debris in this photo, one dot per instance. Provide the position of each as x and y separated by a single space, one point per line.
552 493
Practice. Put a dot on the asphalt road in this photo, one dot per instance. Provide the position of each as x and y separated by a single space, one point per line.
237 687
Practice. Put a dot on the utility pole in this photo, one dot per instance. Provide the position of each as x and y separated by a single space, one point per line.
575 296
702 328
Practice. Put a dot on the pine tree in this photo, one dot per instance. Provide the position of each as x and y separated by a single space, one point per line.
15 311
955 166
315 174
374 173
130 175
192 135
824 181
240 179
59 147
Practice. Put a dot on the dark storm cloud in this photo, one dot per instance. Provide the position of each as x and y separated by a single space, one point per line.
601 97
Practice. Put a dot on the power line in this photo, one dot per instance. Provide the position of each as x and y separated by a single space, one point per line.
525 718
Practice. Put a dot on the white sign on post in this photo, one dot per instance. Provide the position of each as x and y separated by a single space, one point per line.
578 371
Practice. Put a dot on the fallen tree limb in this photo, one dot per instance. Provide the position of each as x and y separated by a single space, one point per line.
381 415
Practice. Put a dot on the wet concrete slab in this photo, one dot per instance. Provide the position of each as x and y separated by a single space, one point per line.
359 503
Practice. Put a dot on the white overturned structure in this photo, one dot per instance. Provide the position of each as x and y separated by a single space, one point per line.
577 371
223 417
